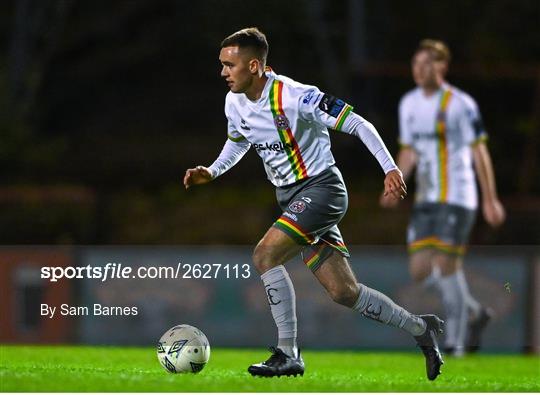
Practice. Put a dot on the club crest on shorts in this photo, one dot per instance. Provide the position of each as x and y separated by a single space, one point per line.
297 206
281 121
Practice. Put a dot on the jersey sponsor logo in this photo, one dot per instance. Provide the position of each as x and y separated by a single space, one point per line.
297 206
331 105
308 97
425 136
273 147
281 121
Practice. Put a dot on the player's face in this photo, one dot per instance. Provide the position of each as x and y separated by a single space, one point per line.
236 69
427 72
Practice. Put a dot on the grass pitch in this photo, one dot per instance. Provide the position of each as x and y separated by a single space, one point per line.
125 369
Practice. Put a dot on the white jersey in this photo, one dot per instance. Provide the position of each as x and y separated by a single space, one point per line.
288 127
441 128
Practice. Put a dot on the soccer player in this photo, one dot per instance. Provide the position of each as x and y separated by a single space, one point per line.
287 124
441 134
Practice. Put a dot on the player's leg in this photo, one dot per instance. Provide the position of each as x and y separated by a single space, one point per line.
420 236
309 208
337 277
421 268
269 256
478 316
453 296
452 228
274 249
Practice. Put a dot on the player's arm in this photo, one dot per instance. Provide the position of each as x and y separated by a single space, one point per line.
233 150
338 115
407 156
473 132
492 208
394 185
406 162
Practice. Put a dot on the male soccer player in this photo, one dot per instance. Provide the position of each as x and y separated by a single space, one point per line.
287 124
441 133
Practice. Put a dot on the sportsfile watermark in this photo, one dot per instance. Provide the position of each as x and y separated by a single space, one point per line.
115 271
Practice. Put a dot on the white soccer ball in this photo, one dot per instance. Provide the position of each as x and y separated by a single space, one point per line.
183 349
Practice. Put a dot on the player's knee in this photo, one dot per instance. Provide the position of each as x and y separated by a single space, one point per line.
263 258
448 264
419 272
420 266
418 275
345 295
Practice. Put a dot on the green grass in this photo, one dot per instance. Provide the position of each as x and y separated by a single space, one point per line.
123 369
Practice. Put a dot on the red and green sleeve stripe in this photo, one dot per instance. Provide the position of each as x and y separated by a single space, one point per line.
285 135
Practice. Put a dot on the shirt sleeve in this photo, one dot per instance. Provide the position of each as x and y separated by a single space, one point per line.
356 125
405 135
471 124
232 132
234 149
230 155
323 108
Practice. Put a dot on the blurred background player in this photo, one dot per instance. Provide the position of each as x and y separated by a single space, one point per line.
287 124
442 135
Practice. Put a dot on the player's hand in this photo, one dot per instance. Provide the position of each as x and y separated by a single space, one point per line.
388 201
494 213
394 186
196 176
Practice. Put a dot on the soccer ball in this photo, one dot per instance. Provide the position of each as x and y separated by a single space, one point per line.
183 349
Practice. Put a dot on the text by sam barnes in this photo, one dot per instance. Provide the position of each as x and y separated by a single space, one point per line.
96 309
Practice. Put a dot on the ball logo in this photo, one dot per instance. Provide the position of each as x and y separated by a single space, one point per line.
297 206
281 121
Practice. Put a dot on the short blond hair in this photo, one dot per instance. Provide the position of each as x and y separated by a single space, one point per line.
437 48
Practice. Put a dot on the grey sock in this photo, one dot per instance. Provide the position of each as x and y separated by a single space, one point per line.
379 307
472 304
453 299
282 299
288 346
431 281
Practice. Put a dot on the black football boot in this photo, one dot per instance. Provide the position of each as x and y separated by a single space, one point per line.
428 343
279 364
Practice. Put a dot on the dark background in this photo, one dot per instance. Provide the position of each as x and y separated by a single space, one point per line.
104 105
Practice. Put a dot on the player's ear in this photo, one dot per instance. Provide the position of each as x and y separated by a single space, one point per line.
254 65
